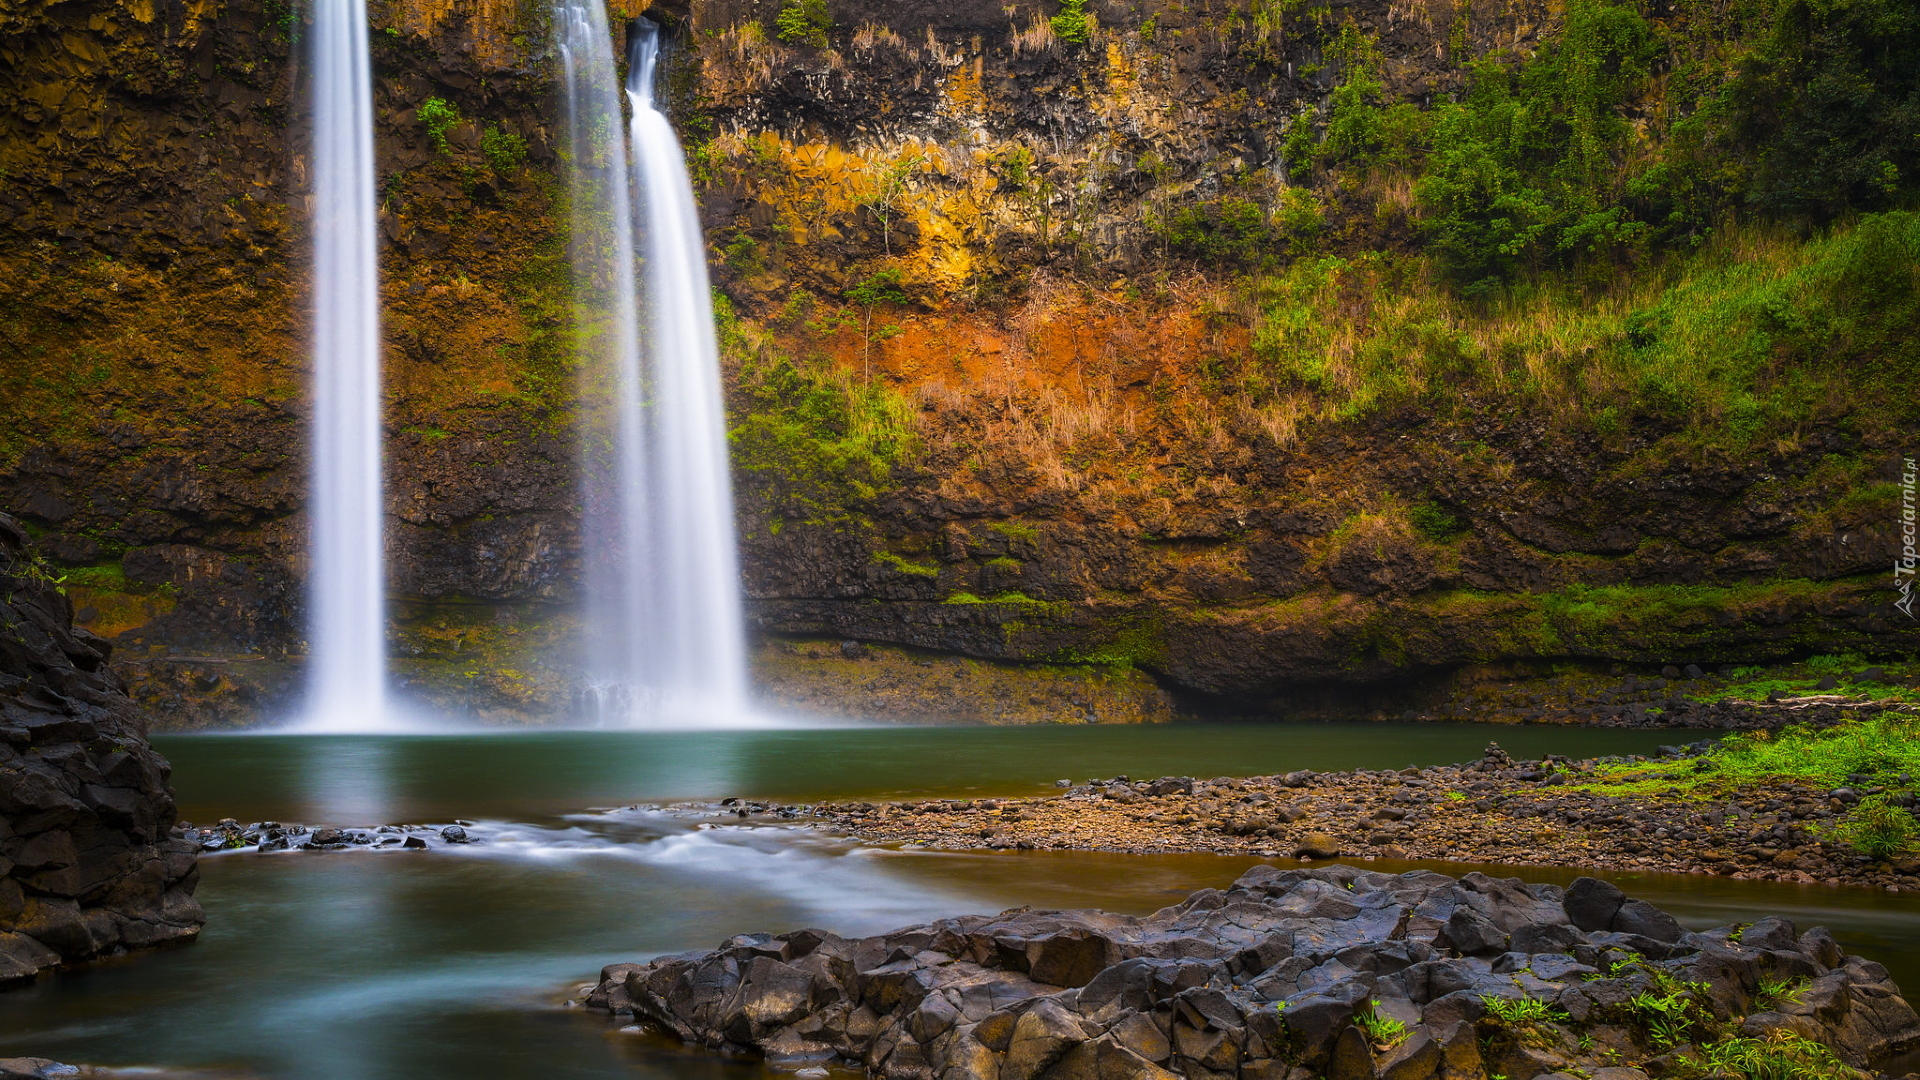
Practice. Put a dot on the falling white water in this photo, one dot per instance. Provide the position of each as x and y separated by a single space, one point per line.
665 640
347 689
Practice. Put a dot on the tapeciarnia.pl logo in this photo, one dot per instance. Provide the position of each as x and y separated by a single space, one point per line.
1909 559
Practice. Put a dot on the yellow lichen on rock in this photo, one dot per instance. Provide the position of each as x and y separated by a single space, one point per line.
491 25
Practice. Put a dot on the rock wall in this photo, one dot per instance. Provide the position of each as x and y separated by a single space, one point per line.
1031 442
87 864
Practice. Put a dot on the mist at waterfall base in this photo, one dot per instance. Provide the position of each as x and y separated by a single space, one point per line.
665 642
347 673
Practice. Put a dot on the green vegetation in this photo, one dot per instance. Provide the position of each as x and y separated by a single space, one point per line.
1522 172
1230 229
1520 1011
1007 597
889 188
1700 221
1363 129
888 558
824 440
1825 106
1882 748
1672 1011
1013 530
1126 643
1798 108
505 150
438 115
803 22
1073 24
1753 335
106 576
1878 828
1780 1055
1432 521
1772 993
880 289
1758 684
1236 229
1380 1029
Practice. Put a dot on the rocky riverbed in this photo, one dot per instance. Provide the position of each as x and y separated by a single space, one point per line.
1290 974
1549 812
264 837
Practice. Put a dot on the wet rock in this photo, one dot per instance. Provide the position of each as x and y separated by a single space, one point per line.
33 1068
90 865
454 834
1261 981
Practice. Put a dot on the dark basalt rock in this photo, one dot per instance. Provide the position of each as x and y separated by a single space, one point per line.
87 866
1265 981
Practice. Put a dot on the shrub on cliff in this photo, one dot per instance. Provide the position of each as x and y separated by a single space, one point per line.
803 22
1072 24
1523 172
1827 106
438 116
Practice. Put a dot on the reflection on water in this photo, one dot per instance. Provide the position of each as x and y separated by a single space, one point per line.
515 775
345 778
452 963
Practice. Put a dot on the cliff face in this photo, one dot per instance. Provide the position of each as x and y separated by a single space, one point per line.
1048 341
87 867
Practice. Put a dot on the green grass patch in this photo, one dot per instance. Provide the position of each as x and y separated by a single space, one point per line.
1780 1055
1750 337
888 558
1882 748
1013 530
106 577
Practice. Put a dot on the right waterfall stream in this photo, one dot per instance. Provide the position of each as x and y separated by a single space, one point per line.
665 642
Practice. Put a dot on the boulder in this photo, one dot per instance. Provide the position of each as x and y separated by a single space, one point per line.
1317 845
1265 980
88 864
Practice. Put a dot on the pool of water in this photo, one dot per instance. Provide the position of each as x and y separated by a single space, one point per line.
347 779
456 962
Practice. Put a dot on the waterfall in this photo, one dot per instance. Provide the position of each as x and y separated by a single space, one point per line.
347 672
663 614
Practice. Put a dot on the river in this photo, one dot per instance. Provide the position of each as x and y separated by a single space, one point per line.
457 962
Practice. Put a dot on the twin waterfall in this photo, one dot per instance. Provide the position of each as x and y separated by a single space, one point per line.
347 631
663 625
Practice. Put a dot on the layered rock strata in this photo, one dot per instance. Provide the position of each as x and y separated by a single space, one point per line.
87 866
1286 975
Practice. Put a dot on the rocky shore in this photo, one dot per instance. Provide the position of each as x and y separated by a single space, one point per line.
262 837
1293 974
1550 812
87 868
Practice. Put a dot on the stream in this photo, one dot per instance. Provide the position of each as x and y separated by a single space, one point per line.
457 962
